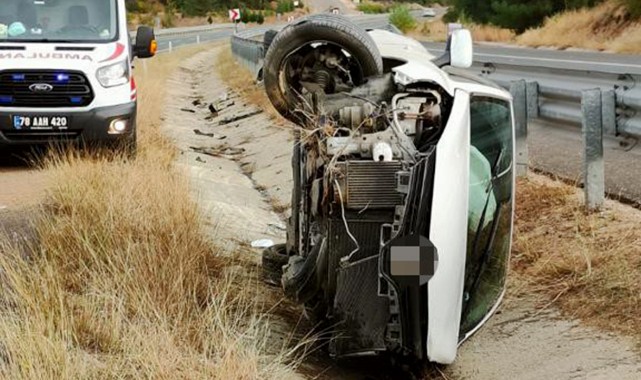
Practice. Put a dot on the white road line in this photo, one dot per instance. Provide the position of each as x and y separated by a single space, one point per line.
550 60
572 62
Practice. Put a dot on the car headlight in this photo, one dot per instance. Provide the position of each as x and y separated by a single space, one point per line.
114 75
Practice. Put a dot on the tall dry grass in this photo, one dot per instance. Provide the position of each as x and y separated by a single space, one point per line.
242 82
589 264
605 27
436 31
120 281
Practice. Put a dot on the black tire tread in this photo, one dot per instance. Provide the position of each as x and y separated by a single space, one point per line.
273 260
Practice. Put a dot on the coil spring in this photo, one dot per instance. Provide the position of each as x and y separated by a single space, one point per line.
322 78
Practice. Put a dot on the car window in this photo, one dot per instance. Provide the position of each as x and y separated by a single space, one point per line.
490 207
58 20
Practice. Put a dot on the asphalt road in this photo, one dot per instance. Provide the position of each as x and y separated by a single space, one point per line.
344 6
558 150
556 59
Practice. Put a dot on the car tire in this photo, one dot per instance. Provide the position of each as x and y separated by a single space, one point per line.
328 28
274 259
268 38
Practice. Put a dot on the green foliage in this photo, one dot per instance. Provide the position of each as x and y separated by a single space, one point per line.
520 16
206 7
402 19
517 15
285 6
373 8
167 19
634 7
247 16
452 15
244 15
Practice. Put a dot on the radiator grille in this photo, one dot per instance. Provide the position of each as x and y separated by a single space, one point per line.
369 184
361 315
67 89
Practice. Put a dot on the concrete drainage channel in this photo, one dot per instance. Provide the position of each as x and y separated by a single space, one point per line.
240 169
216 160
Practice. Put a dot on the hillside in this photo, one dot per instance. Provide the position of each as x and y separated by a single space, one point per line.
611 26
608 27
174 13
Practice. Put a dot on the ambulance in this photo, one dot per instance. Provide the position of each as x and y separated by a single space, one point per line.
66 72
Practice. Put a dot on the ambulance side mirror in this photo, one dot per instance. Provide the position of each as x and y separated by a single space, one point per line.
146 45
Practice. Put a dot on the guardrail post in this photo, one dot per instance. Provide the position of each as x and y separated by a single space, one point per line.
518 90
170 46
591 106
609 107
532 92
198 39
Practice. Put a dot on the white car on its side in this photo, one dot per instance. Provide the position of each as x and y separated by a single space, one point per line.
403 195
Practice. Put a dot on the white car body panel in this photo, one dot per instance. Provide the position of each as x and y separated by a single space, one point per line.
449 213
451 197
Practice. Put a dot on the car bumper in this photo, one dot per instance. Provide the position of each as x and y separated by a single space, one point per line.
92 126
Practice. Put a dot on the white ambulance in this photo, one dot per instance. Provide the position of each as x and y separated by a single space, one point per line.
66 72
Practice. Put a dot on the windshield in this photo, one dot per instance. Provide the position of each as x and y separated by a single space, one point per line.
58 20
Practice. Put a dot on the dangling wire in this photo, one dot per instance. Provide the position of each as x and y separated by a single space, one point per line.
358 247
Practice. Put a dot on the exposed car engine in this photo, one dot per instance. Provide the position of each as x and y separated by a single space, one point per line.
360 253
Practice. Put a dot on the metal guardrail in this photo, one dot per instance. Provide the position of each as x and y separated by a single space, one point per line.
593 123
249 51
554 94
191 30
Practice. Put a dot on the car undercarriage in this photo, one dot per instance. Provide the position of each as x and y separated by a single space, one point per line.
398 219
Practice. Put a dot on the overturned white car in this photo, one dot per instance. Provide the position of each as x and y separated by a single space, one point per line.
402 208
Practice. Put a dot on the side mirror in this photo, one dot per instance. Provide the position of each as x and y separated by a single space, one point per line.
459 51
146 45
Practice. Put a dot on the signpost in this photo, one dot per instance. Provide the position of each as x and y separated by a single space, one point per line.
234 16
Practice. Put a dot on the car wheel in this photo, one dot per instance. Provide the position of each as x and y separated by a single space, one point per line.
325 53
268 38
274 259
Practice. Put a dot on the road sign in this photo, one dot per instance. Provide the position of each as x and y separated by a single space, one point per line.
234 14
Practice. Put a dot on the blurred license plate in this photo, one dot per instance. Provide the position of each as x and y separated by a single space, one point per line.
40 122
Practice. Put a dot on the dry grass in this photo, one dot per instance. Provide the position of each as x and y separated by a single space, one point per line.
120 281
279 207
589 264
436 31
605 27
241 80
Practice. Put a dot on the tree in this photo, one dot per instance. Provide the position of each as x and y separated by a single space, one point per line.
517 15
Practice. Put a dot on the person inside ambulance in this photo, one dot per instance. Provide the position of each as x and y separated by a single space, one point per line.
78 22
